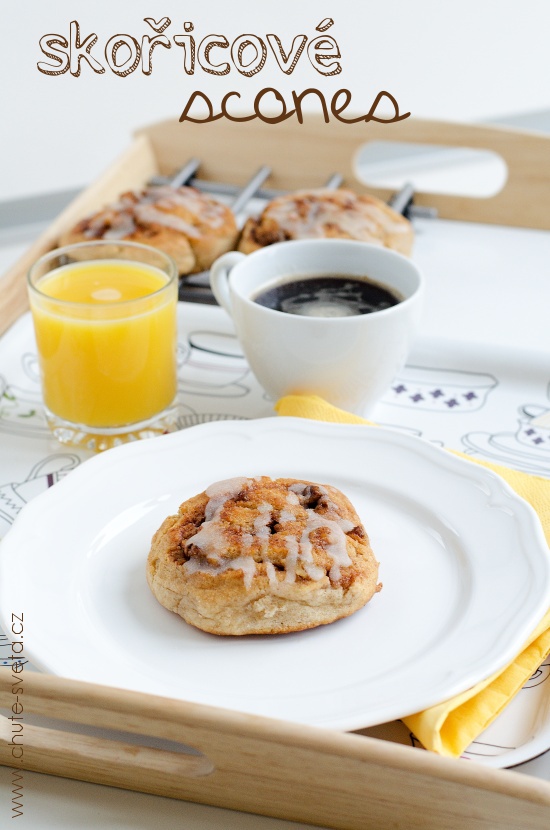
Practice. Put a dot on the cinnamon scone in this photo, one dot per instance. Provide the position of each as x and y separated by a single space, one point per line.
194 229
325 213
263 556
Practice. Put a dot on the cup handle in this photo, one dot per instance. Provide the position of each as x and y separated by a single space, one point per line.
219 278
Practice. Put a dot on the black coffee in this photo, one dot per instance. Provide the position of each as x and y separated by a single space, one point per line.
327 296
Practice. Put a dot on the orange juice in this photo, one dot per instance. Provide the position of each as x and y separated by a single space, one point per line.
106 338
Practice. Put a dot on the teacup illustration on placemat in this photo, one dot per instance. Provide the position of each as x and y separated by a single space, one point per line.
527 448
210 364
541 675
15 495
440 390
214 366
21 410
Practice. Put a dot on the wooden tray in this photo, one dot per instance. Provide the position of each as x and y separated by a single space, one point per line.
265 766
250 763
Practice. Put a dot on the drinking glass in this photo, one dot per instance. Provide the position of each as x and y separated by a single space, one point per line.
104 315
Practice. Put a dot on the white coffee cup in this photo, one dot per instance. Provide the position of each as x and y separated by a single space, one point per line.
348 361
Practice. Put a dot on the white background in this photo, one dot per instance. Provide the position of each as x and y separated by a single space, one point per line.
473 60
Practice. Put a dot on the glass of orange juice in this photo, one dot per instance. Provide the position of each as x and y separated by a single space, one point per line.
104 316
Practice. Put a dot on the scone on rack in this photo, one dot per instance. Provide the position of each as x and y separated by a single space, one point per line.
193 228
325 213
263 556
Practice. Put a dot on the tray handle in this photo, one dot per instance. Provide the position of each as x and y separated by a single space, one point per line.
265 766
314 149
68 752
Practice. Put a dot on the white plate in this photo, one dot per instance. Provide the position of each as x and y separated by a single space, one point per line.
463 560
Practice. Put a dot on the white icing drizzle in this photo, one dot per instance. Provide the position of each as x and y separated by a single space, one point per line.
302 550
336 547
220 492
247 540
210 539
195 565
345 524
309 213
334 516
292 556
246 564
262 530
123 225
271 575
315 572
202 207
228 487
261 522
157 206
296 553
149 215
286 516
384 219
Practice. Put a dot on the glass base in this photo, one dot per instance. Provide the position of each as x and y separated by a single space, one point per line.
98 439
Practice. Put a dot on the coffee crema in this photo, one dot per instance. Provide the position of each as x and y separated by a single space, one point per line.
334 295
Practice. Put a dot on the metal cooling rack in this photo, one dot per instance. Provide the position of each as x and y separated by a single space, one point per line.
196 287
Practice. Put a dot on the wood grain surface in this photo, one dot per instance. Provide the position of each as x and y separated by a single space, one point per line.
264 766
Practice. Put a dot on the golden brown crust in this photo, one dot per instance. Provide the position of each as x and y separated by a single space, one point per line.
263 556
329 214
194 229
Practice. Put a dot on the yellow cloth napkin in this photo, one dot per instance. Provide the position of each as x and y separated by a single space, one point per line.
450 727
